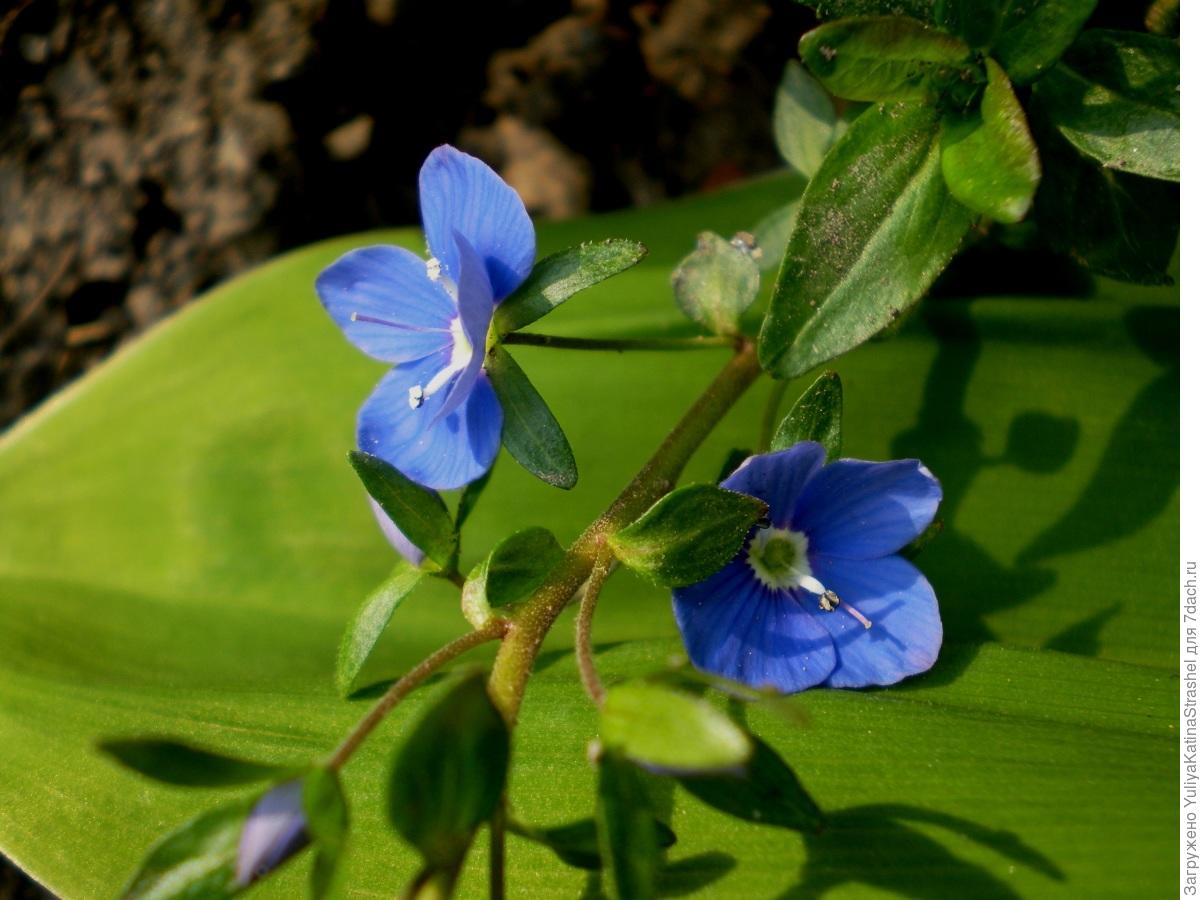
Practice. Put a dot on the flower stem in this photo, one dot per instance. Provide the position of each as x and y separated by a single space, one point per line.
619 344
406 684
583 629
527 630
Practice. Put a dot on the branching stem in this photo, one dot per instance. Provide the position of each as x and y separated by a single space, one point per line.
583 629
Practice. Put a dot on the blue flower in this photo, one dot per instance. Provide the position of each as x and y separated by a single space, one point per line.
435 416
819 595
275 830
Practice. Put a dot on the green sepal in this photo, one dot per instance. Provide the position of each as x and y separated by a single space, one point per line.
578 843
370 620
716 283
875 227
561 275
1115 96
327 820
417 511
510 573
989 159
885 58
184 765
449 775
530 432
688 534
815 416
627 830
670 731
197 859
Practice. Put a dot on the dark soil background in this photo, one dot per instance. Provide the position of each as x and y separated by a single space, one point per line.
151 148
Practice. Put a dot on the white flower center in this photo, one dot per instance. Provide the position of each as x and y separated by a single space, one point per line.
779 559
460 356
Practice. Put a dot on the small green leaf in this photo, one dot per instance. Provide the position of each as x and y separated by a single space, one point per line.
688 534
628 838
198 859
815 416
989 160
1115 96
368 624
1032 34
884 58
510 573
715 283
174 762
530 431
771 234
875 227
417 511
470 496
805 122
669 731
327 818
1116 224
578 843
449 775
557 277
765 791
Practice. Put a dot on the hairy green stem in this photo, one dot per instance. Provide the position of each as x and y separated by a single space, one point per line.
571 343
770 414
583 629
406 684
527 630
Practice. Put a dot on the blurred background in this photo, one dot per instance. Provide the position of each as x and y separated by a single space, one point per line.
152 148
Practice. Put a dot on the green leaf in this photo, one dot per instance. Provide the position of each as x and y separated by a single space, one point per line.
198 859
765 791
688 534
922 10
884 58
197 590
1115 96
449 775
989 160
875 227
771 234
327 817
715 283
1119 225
805 122
417 511
578 843
1032 34
628 834
530 432
365 629
561 275
670 731
178 763
470 496
510 573
815 416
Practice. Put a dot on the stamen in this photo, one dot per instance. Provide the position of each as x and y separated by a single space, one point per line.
416 396
829 601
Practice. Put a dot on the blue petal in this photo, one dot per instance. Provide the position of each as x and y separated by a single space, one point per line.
906 629
443 454
864 510
387 284
734 626
779 478
460 193
274 830
475 311
397 538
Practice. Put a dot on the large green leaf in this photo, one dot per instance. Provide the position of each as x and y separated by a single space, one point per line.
175 563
